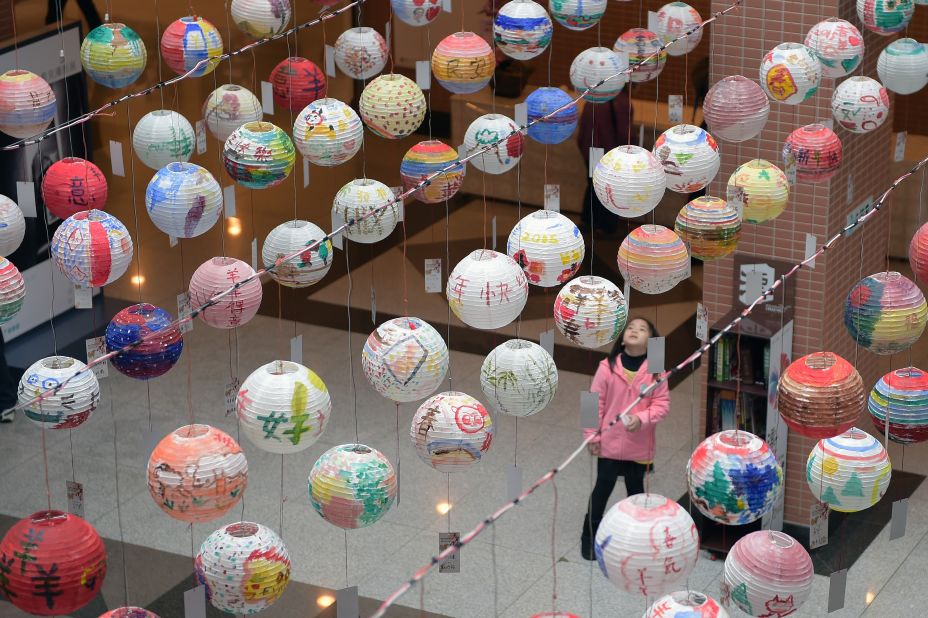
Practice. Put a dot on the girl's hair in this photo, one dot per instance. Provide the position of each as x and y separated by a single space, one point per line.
619 345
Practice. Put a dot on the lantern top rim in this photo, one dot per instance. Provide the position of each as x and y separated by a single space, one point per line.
17 72
222 261
48 517
258 126
242 529
518 344
189 432
191 19
281 367
780 539
57 362
113 25
821 361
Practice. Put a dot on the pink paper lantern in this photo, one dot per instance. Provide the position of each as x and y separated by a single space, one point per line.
767 573
28 104
816 151
736 109
72 185
217 275
918 254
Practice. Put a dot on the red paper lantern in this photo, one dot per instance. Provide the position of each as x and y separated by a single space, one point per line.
816 151
72 185
821 395
297 82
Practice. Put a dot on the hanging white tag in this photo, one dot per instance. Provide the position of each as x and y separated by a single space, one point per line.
790 170
330 61
305 173
493 233
267 98
837 590
83 297
811 248
446 6
388 33
172 240
423 74
75 498
829 122
675 108
337 222
850 188
96 347
232 387
513 482
898 519
589 410
818 525
400 209
195 602
119 168
296 349
373 306
346 603
433 275
653 21
183 311
546 341
899 152
553 198
228 198
641 135
656 355
25 198
627 293
702 322
520 111
201 136
451 564
596 154
254 254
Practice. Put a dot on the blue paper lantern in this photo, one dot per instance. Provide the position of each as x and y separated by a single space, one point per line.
160 350
558 127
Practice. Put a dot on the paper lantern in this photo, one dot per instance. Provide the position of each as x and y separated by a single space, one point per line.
228 107
352 486
653 259
405 359
767 573
309 266
519 378
392 106
736 109
197 473
677 19
244 566
361 53
790 73
733 477
261 18
328 132
710 228
918 254
903 66
296 83
849 472
54 563
451 431
885 17
29 104
522 29
183 200
129 612
162 341
577 14
92 248
217 275
161 137
690 157
189 41
816 152
416 12
12 290
258 155
860 104
760 189
12 226
360 197
885 313
548 246
72 185
902 397
72 405
503 137
463 63
559 126
628 554
113 55
820 395
640 45
427 158
685 604
487 290
629 181
590 311
593 65
838 45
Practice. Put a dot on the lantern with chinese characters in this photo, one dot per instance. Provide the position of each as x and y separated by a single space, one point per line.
427 158
736 109
463 63
548 246
451 431
849 472
405 359
519 378
28 104
328 132
885 313
183 200
197 473
92 248
283 407
74 402
790 73
595 64
12 226
885 17
372 205
644 52
261 18
760 188
487 290
860 104
161 137
767 573
72 185
631 558
903 66
902 397
674 20
685 604
113 55
160 347
653 259
838 45
258 155
629 181
361 53
191 42
54 563
690 157
577 14
710 228
820 395
352 486
217 275
816 152
12 290
503 138
228 107
309 266
522 29
245 568
296 83
918 253
129 612
392 106
416 12
557 127
590 311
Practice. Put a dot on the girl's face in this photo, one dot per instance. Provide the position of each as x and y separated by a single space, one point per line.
636 334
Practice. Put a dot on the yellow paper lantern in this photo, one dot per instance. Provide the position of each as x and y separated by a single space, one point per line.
392 106
759 189
113 55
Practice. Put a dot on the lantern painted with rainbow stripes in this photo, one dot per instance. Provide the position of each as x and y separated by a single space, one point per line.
885 313
463 63
392 106
352 486
92 248
653 259
522 29
560 125
296 82
760 189
643 49
849 472
710 227
28 104
816 152
113 55
820 395
425 159
72 185
161 341
577 14
590 311
189 41
258 155
902 397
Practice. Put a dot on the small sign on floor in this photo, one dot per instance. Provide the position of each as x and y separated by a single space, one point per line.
897 522
451 564
837 590
346 603
195 602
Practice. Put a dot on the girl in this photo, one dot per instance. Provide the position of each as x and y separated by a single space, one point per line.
626 449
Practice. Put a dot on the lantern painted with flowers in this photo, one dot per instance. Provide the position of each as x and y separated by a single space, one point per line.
161 341
183 200
392 106
416 12
653 259
838 45
590 311
373 207
918 253
191 44
361 53
736 109
74 401
522 29
577 14
690 157
427 158
463 63
163 136
790 73
312 248
816 152
352 486
767 573
519 378
228 107
12 290
849 472
29 104
885 313
901 396
674 20
685 604
113 55
503 138
487 290
629 181
258 155
72 185
261 18
760 189
12 226
297 82
405 359
217 275
885 17
820 395
328 132
559 124
92 248
903 66
451 431
710 227
594 65
860 104
644 52
548 246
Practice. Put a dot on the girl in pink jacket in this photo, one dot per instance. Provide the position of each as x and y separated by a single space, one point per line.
627 448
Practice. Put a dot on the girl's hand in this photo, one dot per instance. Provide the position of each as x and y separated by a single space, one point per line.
632 423
595 448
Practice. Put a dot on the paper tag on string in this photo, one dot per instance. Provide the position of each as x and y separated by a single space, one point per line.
596 154
183 311
811 248
330 61
337 222
172 241
520 111
296 349
446 6
493 233
83 297
702 322
829 122
736 200
254 254
232 387
818 524
589 410
388 33
897 522
837 590
201 136
195 602
546 341
433 275
373 305
899 152
346 603
653 21
513 482
641 135
96 347
656 355
675 108
451 564
305 172
423 74
850 188
627 293
25 198
228 199
119 168
267 98
400 210
790 170
75 498
553 198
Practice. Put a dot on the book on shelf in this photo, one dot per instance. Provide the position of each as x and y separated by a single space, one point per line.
727 410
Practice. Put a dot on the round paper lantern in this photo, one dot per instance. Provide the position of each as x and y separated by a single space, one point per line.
548 246
197 473
860 104
228 107
592 66
503 137
54 563
767 573
710 228
28 104
392 106
72 185
816 152
217 275
556 128
162 341
522 29
309 266
849 472
113 55
360 197
416 12
820 395
463 63
12 290
129 612
487 290
902 397
245 568
760 188
790 73
92 248
71 405
352 486
690 157
451 431
653 259
685 604
677 19
328 132
183 200
838 45
885 17
189 41
629 181
519 378
405 359
590 311
161 137
640 45
885 313
903 66
12 226
427 158
736 109
733 477
627 550
918 254
261 18
296 83
258 155
577 14
361 53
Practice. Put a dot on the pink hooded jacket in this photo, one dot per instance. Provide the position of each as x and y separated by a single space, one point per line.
615 394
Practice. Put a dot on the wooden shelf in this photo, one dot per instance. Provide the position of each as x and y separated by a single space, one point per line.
731 385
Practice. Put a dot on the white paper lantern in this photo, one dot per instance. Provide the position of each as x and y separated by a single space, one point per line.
903 66
590 311
163 136
685 604
360 53
487 290
12 290
215 276
629 181
860 104
838 45
519 378
522 29
71 405
392 106
690 156
405 359
183 200
360 197
790 73
548 246
12 226
416 12
309 266
328 132
504 136
228 107
595 64
261 18
849 472
577 14
884 17
451 431
674 20
92 248
352 486
767 573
